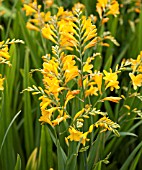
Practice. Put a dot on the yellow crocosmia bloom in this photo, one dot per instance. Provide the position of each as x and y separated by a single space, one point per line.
98 80
47 16
103 3
75 135
59 119
78 7
49 3
136 65
70 95
113 8
50 67
107 124
45 119
60 11
100 6
90 44
112 99
1 82
70 70
110 75
91 128
52 85
66 140
85 82
48 33
84 138
67 40
71 73
91 91
111 79
113 85
32 27
87 67
46 115
136 80
127 106
89 30
30 8
67 32
4 53
78 114
45 102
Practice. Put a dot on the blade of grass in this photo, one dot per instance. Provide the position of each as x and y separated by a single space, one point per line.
136 160
131 157
12 121
18 163
28 121
46 149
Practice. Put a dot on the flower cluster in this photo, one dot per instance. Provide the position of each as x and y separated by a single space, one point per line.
38 18
68 75
136 75
107 7
4 55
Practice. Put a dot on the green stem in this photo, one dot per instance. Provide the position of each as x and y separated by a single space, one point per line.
81 74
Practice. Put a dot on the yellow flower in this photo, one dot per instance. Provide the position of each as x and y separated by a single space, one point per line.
111 80
91 91
70 70
48 33
98 80
87 67
111 6
50 68
78 7
112 99
30 9
90 44
78 114
32 27
70 95
49 3
52 85
106 124
136 65
77 136
45 102
136 80
59 119
4 53
46 115
1 82
84 138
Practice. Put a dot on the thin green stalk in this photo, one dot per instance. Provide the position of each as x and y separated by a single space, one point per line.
82 77
10 19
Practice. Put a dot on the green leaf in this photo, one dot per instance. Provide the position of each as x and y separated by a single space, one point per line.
127 134
11 123
61 157
18 163
96 150
108 63
131 157
28 125
136 160
46 153
72 157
